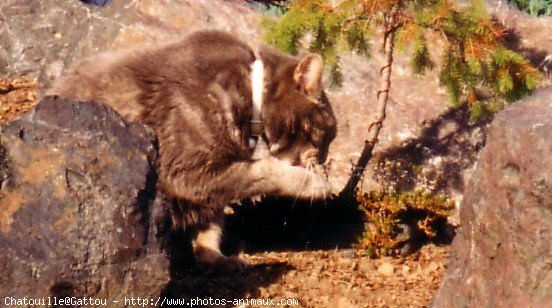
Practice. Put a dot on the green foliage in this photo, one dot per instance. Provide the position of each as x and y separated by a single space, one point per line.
478 110
475 60
534 7
420 56
512 74
272 7
330 32
386 212
473 57
286 34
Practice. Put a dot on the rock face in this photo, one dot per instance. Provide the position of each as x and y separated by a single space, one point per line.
502 255
40 38
79 212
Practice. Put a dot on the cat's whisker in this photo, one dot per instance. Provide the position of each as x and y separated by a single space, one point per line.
302 183
311 165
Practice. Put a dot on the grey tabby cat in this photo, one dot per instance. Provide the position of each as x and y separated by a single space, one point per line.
207 97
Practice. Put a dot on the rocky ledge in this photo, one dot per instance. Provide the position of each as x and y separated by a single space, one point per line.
79 212
502 255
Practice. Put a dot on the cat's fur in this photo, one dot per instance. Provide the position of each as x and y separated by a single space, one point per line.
195 93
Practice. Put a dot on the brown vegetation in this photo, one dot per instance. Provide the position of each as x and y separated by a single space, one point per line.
16 96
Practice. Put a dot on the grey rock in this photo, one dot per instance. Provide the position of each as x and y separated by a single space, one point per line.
80 215
40 38
35 35
502 255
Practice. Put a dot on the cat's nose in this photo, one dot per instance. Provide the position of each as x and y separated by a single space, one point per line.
310 155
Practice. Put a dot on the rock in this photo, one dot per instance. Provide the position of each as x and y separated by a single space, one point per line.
348 253
431 268
342 302
502 254
386 269
366 265
40 38
79 211
405 270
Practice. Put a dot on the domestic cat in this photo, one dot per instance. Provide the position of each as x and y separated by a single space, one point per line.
208 97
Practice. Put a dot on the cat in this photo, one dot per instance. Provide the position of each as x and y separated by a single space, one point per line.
210 98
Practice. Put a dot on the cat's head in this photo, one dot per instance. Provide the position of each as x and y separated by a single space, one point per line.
299 123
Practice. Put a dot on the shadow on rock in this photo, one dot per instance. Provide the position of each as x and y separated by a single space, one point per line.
435 161
539 57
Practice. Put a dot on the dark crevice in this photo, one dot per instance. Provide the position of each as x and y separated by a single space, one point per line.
284 223
145 199
63 289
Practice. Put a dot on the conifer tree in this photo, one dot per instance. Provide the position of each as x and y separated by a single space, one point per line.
475 66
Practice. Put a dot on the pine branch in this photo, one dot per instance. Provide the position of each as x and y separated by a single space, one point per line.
474 59
381 105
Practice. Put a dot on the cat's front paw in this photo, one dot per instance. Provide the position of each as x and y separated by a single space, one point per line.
278 178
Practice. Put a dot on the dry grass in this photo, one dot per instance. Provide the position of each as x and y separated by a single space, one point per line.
16 96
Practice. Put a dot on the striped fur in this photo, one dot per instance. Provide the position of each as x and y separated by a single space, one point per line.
195 93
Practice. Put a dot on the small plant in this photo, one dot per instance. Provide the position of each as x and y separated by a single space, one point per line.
395 219
534 7
272 7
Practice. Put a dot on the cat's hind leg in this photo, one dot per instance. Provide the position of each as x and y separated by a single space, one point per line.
206 246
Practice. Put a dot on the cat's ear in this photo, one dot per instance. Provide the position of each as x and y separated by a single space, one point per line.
308 73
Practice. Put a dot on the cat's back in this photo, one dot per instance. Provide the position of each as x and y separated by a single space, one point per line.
128 79
106 78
